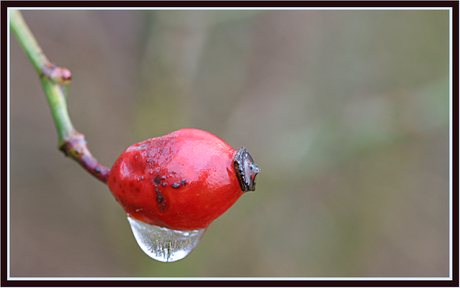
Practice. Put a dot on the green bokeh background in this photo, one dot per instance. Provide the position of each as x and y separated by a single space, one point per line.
346 112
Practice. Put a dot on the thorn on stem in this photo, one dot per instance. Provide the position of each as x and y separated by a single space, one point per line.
57 75
74 146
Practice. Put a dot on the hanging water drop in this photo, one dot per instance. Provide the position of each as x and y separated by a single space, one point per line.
163 244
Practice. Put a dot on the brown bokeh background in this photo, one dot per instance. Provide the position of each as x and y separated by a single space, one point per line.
346 113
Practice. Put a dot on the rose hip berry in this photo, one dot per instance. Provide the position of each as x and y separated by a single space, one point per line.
183 180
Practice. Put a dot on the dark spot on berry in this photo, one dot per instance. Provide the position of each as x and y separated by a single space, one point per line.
157 180
162 206
142 177
160 197
98 169
164 184
175 185
143 145
183 181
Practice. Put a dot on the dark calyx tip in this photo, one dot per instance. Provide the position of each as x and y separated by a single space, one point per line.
246 170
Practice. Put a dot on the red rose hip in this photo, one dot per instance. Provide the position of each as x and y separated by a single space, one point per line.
181 181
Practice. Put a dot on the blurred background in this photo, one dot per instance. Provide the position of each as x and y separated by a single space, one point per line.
346 113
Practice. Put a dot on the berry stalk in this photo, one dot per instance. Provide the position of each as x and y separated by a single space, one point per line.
55 81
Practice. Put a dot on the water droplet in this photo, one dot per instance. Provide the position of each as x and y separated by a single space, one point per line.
163 244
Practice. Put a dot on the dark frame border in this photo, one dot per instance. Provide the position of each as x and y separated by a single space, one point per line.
454 282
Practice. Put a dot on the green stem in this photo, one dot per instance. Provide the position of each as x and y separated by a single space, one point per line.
27 40
71 142
58 105
53 91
